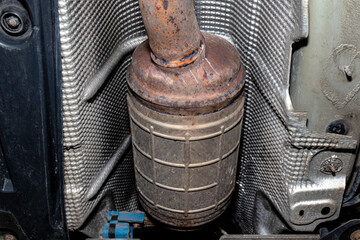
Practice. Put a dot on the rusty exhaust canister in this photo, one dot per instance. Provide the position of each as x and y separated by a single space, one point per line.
186 106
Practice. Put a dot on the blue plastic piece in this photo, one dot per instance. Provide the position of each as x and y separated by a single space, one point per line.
120 224
126 217
123 231
106 231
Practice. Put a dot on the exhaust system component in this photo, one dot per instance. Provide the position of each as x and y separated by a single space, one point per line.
174 34
186 105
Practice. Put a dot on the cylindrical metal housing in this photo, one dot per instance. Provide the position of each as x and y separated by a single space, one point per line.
185 166
186 113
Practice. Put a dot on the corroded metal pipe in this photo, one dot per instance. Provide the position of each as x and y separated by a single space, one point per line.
174 34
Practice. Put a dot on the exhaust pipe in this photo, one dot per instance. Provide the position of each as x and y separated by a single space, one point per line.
186 105
174 34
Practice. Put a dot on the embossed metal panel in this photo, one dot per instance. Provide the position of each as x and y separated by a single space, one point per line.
277 146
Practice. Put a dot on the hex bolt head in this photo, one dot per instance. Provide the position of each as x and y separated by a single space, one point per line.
13 22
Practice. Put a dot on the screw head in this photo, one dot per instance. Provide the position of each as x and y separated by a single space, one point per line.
12 24
331 165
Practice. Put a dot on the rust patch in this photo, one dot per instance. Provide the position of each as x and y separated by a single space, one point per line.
209 83
177 33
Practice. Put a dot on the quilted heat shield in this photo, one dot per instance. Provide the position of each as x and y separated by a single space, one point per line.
277 151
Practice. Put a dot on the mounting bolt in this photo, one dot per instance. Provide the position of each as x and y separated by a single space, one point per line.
14 19
355 235
13 22
331 165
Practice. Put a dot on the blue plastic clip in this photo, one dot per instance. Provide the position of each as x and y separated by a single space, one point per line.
120 224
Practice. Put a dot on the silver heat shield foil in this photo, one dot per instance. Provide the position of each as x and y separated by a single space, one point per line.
276 144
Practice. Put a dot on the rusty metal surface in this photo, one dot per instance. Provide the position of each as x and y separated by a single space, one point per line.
211 83
174 34
185 161
180 70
